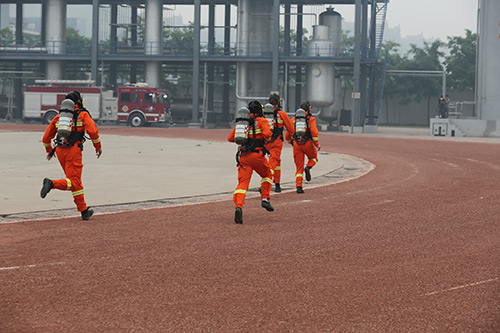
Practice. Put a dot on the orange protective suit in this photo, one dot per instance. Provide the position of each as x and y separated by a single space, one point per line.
275 145
70 158
253 160
308 147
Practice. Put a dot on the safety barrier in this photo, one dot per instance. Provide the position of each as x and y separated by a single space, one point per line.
172 49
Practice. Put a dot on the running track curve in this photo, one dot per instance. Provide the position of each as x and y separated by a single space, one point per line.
412 246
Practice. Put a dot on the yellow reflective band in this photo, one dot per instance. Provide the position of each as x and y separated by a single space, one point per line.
315 138
272 171
68 182
298 175
77 193
257 131
240 192
278 168
96 140
79 123
266 180
280 121
46 144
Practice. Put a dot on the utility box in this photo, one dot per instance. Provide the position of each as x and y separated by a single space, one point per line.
439 128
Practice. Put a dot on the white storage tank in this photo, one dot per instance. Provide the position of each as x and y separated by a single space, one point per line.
488 64
320 76
333 20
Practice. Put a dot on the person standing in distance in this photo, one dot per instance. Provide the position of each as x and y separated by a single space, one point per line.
250 132
305 142
69 128
275 145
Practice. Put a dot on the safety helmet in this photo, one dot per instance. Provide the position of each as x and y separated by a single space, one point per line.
275 99
306 106
255 107
75 97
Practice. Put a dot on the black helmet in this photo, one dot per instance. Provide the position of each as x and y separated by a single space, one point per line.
75 97
255 107
275 99
306 106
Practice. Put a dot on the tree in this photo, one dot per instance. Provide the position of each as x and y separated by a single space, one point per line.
76 44
427 58
461 62
6 35
179 79
392 84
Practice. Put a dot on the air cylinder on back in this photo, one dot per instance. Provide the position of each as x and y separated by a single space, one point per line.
242 126
269 114
66 118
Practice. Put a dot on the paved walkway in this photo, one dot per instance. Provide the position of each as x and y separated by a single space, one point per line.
137 172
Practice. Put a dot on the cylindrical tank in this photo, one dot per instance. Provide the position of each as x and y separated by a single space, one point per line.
255 23
320 76
488 66
333 20
331 112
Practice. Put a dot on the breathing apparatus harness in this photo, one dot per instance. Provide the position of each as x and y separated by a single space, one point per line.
251 145
277 131
301 140
74 136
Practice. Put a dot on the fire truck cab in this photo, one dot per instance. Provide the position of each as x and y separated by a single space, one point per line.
137 104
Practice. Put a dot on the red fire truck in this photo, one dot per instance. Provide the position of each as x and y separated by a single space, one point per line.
137 104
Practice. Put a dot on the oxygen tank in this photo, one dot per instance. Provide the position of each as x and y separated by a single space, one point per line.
242 126
66 118
300 123
269 114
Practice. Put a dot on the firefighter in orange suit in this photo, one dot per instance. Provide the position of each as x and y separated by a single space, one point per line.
251 155
307 145
68 149
275 145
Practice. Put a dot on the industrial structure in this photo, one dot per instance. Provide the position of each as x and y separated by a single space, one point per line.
486 121
261 59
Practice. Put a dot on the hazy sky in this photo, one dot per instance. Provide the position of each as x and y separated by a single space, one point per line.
432 18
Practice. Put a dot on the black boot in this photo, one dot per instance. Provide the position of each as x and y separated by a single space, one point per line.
87 213
267 206
299 189
46 187
277 187
307 170
238 215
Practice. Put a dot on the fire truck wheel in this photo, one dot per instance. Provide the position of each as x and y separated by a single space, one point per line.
48 116
136 120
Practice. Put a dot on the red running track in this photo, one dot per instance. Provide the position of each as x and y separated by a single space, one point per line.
413 246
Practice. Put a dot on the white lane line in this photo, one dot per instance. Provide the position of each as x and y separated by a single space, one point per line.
493 166
31 266
444 162
461 287
381 202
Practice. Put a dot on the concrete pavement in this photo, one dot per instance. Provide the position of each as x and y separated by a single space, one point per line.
139 173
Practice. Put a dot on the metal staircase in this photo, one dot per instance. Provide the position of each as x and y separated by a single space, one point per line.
379 17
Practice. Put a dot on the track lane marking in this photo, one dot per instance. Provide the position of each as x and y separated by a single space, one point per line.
493 166
461 287
31 266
